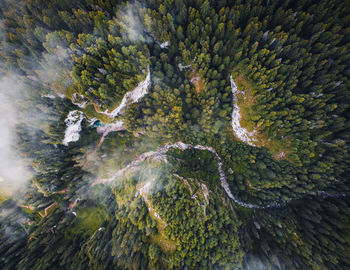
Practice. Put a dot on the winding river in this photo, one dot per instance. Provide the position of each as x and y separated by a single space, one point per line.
160 154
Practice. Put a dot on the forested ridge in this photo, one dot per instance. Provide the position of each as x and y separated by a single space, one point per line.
176 134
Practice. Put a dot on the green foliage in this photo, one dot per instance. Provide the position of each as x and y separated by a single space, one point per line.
290 60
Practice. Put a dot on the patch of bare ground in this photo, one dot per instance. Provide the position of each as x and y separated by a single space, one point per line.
198 82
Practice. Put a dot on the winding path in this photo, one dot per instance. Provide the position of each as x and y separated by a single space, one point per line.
160 155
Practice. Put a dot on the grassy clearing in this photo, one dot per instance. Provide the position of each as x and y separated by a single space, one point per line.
280 149
165 244
91 112
88 220
246 102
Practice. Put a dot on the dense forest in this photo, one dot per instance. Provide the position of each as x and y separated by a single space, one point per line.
175 134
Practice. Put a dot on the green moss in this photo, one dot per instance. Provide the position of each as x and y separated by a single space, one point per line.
87 221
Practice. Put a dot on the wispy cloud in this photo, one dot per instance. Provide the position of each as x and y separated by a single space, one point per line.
14 171
131 24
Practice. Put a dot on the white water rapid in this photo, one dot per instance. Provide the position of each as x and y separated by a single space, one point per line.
129 98
164 44
132 96
83 101
114 127
73 122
